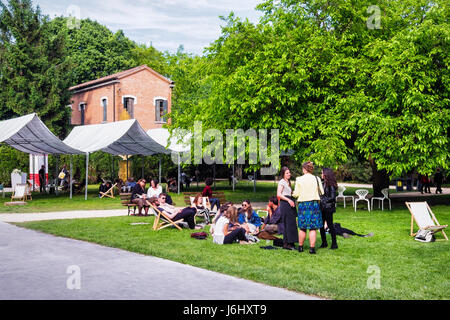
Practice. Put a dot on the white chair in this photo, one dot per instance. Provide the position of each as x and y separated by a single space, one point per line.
341 190
423 216
362 193
385 193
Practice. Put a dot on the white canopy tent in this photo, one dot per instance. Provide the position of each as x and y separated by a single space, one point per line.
172 144
29 134
118 138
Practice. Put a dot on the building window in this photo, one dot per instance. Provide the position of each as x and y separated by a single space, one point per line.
161 106
82 108
128 104
105 109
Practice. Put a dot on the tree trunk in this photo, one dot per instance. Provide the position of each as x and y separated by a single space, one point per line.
238 171
380 179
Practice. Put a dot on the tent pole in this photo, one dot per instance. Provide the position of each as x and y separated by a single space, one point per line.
87 175
159 169
254 181
232 177
179 173
34 170
56 173
143 161
71 176
127 167
214 176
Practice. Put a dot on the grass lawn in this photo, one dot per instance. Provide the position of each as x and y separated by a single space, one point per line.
408 269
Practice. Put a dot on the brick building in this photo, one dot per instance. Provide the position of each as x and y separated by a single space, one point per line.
139 93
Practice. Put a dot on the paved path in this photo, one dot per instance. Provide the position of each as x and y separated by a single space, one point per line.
23 217
36 266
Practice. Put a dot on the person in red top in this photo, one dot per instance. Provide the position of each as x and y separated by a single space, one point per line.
207 192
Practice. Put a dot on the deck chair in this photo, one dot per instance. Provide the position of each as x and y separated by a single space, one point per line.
424 217
162 220
109 193
21 193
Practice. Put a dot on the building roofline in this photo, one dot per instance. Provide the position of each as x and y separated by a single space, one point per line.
116 76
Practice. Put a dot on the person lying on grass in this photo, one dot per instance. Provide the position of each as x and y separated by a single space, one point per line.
228 229
248 218
187 214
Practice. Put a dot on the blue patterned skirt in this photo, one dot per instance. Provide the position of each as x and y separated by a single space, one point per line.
309 215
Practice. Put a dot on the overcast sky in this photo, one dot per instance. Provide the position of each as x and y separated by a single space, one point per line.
165 24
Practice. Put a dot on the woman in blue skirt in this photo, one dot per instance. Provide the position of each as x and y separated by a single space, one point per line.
307 191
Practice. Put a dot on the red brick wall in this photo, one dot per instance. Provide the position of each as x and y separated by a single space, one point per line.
143 85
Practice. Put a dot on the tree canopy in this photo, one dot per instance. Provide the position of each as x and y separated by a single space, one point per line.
334 86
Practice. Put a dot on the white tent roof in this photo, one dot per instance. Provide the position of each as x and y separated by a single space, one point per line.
119 138
29 134
162 137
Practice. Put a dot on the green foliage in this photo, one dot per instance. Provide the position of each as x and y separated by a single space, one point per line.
11 159
94 50
33 66
332 86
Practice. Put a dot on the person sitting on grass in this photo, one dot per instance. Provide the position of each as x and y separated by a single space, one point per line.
223 208
248 218
174 214
228 229
272 223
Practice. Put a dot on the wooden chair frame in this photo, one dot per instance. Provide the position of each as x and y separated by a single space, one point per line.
438 227
26 194
162 220
109 193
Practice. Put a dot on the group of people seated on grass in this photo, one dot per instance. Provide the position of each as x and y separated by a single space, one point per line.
316 203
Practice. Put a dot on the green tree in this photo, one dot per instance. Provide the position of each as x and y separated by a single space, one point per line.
334 86
94 50
34 66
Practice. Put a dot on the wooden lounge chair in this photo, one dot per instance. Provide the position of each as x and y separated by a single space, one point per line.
162 220
109 193
423 216
21 193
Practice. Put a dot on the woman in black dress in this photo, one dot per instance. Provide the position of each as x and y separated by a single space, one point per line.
328 206
288 210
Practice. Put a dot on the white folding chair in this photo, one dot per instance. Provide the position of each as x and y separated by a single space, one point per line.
423 216
341 190
385 193
362 193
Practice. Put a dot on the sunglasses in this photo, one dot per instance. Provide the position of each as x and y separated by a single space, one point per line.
163 198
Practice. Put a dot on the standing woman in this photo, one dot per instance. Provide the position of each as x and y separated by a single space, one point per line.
309 216
288 211
328 206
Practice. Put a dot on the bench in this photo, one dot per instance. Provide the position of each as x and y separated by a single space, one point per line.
216 194
125 199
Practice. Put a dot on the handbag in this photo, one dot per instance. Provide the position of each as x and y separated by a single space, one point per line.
324 205
61 175
425 236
